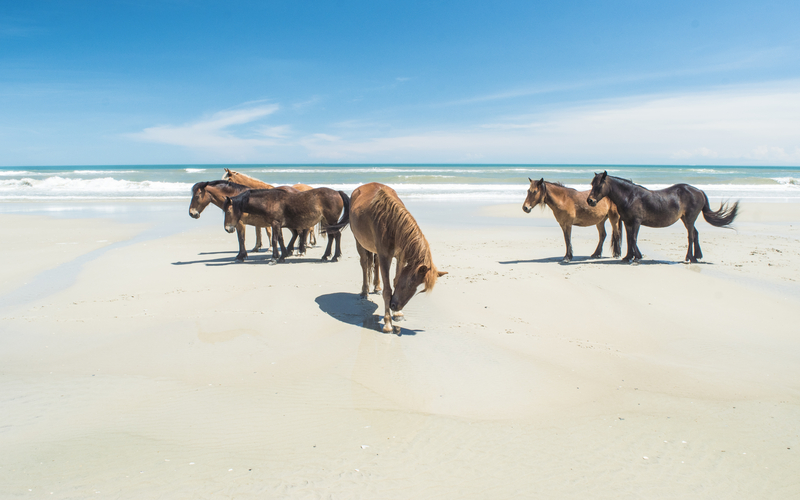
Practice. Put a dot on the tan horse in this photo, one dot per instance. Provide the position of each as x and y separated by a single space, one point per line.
384 229
570 208
252 182
204 193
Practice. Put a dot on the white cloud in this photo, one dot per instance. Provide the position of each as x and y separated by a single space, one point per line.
734 125
742 125
213 133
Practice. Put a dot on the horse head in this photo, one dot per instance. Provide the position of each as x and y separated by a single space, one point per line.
600 189
233 211
536 194
408 279
200 200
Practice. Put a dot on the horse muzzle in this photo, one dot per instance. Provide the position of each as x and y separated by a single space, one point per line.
526 209
230 228
194 214
591 201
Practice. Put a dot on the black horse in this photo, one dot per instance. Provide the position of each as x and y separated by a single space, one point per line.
639 206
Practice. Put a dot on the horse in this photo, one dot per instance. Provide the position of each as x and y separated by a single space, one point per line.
253 183
216 192
297 211
638 206
570 208
384 229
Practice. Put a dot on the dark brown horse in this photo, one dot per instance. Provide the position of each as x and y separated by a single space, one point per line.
297 211
216 192
253 183
570 208
638 206
384 230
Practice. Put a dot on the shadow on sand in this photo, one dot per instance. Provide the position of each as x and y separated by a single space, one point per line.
264 258
350 308
607 261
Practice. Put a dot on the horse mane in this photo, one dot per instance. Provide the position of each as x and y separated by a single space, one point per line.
230 173
400 225
217 183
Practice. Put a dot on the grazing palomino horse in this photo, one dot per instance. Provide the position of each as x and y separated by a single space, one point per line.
570 208
216 192
384 229
298 211
638 206
253 183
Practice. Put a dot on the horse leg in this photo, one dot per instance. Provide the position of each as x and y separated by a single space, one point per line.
303 236
637 255
328 249
277 242
385 267
693 253
290 248
631 240
365 258
258 239
240 235
268 230
312 238
376 275
338 252
601 231
567 228
616 234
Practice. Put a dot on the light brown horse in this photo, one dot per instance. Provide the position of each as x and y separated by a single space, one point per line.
384 230
570 208
216 192
253 183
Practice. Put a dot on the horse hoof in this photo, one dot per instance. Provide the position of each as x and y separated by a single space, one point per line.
387 327
240 258
324 259
595 255
335 259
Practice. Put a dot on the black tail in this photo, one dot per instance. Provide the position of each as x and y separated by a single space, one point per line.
344 221
722 217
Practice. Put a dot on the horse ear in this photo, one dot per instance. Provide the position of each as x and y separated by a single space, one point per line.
605 174
530 180
541 181
442 273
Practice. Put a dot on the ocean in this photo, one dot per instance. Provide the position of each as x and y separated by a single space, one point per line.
485 184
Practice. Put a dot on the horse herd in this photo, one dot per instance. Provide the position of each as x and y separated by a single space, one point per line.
385 230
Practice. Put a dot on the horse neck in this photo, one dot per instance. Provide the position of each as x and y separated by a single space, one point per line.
246 180
553 196
620 190
410 243
218 194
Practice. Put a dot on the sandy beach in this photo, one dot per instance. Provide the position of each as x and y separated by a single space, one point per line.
137 360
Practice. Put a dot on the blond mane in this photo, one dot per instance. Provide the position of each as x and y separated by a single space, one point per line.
244 179
399 225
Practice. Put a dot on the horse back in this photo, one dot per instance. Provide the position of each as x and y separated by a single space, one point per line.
369 229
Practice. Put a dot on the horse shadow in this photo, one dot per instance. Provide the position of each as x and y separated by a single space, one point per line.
253 258
350 308
607 261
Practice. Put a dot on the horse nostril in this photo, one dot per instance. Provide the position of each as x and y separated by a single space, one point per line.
393 305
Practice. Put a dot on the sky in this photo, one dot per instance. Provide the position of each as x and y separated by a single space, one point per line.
309 82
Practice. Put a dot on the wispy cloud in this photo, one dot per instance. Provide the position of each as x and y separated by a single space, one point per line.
214 132
736 125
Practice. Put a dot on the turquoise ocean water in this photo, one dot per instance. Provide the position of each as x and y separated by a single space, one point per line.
477 183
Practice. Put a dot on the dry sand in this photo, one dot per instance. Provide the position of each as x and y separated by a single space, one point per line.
148 365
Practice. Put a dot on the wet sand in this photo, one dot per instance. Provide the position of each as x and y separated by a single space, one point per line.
138 360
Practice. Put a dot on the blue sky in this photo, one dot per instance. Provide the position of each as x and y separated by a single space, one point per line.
146 82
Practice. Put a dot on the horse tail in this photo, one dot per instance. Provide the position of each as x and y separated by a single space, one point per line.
722 217
345 219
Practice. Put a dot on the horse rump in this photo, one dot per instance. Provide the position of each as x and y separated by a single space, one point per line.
343 221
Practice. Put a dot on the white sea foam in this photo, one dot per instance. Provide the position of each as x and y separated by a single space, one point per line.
104 187
194 170
9 173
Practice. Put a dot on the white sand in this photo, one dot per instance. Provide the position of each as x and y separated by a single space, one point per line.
163 370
